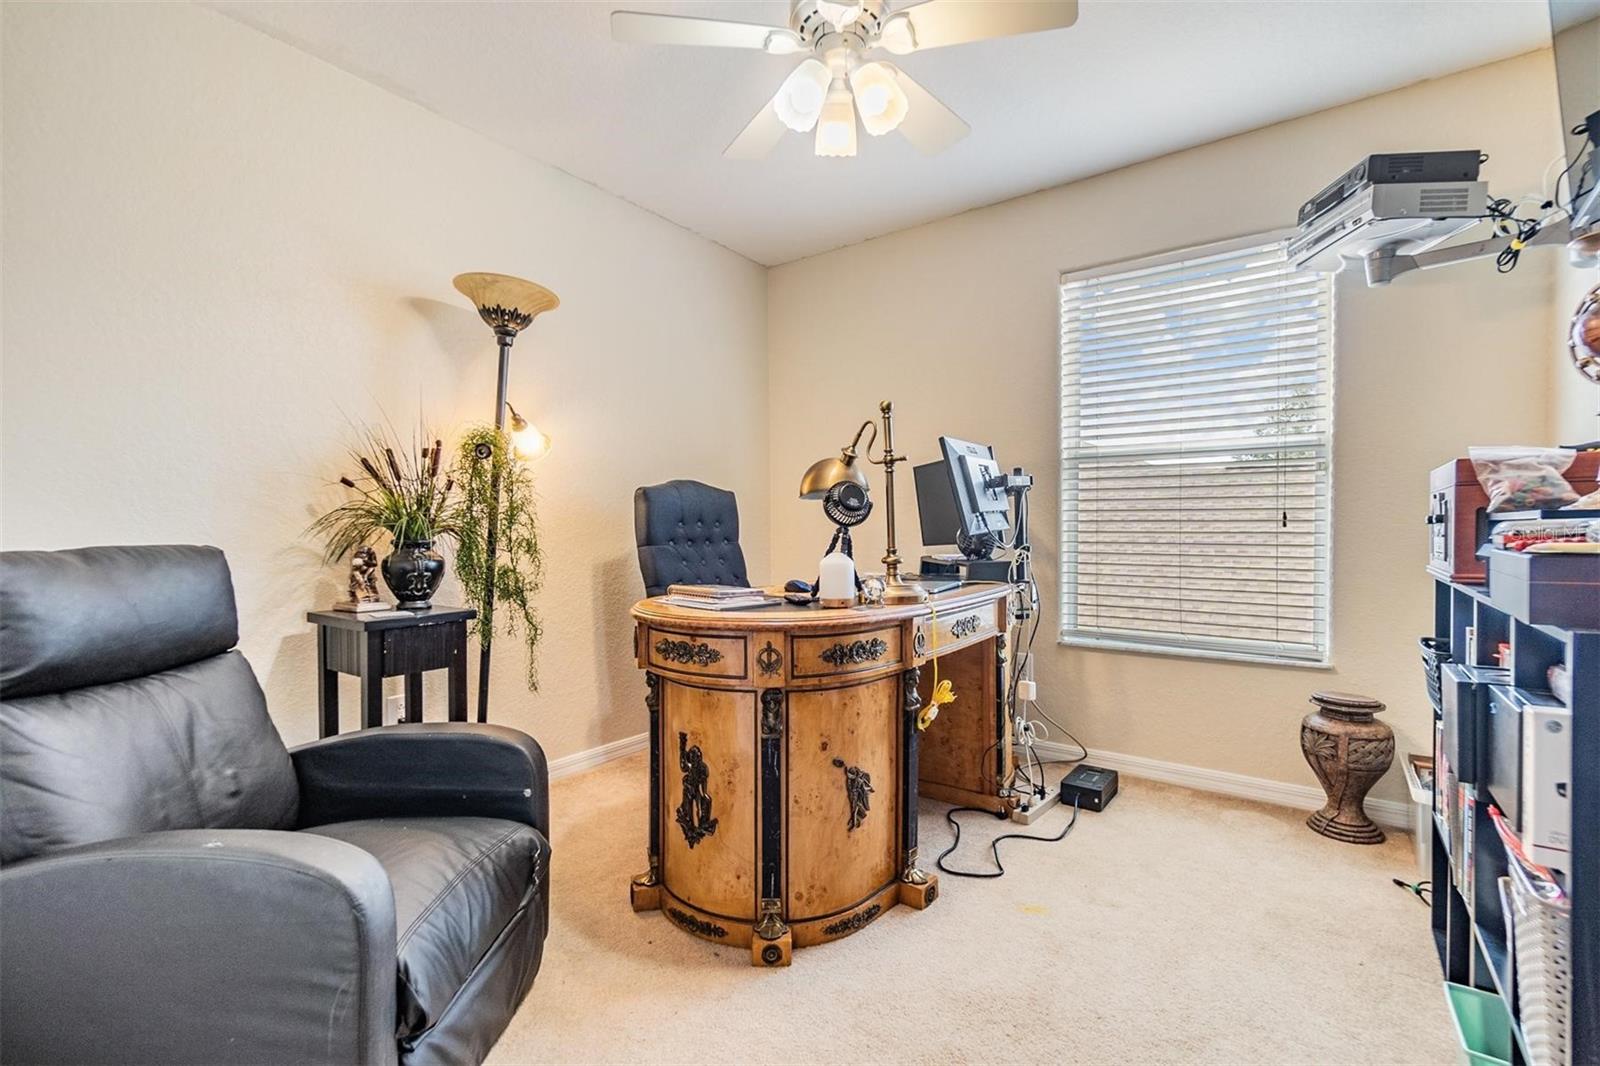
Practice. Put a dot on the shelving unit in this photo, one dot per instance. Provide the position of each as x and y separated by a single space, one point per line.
1469 932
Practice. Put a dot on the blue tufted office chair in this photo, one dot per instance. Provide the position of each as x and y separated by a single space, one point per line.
688 534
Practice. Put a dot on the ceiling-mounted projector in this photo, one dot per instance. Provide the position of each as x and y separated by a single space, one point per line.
1392 211
1388 205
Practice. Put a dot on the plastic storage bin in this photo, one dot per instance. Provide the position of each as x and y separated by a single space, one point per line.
1542 946
1483 1025
1421 813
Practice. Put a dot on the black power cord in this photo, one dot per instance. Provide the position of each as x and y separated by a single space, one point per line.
994 845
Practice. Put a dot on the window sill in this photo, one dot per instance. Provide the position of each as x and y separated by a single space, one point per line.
1251 658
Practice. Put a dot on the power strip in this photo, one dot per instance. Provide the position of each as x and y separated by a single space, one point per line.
1032 808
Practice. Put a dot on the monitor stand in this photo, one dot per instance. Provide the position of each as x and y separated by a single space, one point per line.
960 569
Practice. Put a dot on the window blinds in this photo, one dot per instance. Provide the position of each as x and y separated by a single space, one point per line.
1196 449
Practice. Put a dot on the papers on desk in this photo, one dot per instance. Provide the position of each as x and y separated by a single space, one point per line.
723 603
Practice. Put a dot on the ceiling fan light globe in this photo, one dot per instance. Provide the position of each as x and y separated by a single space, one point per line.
836 132
800 99
879 97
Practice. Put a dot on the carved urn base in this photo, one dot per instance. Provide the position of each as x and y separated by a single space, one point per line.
1349 750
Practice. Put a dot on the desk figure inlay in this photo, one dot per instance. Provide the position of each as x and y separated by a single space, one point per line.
789 817
858 787
694 813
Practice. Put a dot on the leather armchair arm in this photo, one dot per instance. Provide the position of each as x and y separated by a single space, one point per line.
424 769
239 946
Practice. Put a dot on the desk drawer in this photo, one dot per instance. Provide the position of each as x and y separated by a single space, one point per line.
842 654
697 653
954 630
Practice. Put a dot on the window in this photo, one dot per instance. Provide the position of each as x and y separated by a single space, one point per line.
1196 453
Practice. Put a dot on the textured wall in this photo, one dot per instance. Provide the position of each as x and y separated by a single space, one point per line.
220 254
957 321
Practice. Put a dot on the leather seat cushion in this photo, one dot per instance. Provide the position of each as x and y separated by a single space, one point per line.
458 882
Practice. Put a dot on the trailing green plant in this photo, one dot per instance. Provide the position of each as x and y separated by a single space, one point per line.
398 491
486 461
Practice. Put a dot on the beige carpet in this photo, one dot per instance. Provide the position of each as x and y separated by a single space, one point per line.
1174 927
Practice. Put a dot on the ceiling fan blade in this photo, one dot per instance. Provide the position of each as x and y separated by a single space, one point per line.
639 27
759 137
940 23
929 125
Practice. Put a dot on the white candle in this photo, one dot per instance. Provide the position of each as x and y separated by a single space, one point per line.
836 582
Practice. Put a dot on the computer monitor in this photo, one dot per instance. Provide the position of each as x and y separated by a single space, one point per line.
978 488
936 504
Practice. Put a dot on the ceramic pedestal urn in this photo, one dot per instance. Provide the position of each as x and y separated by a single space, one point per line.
1349 750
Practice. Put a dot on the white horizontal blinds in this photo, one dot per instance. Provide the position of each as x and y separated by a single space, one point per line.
1196 436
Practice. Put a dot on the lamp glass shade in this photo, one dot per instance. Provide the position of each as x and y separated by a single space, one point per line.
529 441
824 474
879 97
836 131
506 302
799 101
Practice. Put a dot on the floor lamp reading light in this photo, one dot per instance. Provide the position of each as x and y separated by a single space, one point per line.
508 305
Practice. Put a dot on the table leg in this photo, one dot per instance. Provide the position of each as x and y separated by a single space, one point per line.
917 888
413 697
458 675
327 688
372 681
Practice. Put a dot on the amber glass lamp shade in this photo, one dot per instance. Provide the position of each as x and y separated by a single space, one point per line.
506 303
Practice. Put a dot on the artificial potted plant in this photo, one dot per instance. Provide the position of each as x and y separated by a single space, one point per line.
402 493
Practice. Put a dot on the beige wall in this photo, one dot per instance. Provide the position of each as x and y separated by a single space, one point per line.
220 253
957 322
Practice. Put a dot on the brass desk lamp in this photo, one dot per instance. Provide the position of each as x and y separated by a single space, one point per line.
824 474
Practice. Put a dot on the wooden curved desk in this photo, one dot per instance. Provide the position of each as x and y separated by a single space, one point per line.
785 760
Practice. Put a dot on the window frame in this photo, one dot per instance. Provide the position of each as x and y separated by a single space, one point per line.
1067 635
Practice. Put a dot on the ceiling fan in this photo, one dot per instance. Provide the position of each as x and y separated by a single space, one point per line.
836 82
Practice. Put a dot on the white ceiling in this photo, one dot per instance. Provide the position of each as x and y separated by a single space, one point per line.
1132 80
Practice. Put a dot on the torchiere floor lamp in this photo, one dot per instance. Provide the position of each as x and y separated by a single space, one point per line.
508 305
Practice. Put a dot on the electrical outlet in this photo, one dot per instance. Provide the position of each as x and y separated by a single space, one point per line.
394 708
1027 691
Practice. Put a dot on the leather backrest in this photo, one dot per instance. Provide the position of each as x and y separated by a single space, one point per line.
688 534
121 709
89 616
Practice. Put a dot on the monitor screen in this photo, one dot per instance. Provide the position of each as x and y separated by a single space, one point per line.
936 505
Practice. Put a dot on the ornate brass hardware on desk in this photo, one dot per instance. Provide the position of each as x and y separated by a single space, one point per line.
694 813
858 791
965 627
686 652
854 653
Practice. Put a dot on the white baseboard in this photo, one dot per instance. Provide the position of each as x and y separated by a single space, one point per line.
1391 813
580 761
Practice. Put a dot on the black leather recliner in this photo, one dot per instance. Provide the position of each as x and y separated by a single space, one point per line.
178 887
688 534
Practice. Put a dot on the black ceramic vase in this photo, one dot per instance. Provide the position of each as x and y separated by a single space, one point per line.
413 572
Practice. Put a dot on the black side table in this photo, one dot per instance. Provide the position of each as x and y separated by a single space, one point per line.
373 645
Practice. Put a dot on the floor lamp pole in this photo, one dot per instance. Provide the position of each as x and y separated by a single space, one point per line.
491 543
508 305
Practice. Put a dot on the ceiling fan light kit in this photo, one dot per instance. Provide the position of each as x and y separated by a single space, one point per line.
800 98
837 81
836 133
